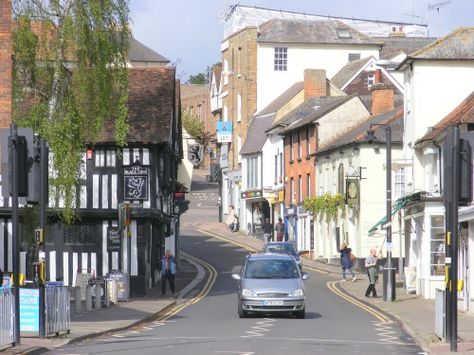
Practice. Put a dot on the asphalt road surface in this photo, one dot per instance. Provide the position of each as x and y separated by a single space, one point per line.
211 325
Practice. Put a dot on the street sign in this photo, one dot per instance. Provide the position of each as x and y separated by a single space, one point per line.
114 239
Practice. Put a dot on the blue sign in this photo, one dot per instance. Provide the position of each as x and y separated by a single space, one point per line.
29 309
224 131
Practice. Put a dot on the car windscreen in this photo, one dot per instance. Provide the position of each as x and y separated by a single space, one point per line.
280 249
271 269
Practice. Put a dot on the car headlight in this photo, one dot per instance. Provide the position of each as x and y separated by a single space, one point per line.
298 292
246 292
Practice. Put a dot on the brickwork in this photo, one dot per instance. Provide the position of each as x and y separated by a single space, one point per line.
359 85
314 83
5 63
301 165
382 99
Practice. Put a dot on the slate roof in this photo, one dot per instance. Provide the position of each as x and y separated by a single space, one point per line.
151 102
393 46
283 99
138 52
349 70
256 136
310 110
306 31
358 134
463 113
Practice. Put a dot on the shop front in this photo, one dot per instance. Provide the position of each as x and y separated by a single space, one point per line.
291 224
257 209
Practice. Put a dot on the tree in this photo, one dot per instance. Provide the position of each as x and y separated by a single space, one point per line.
199 78
69 75
195 127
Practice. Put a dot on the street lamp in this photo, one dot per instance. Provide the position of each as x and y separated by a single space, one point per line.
390 296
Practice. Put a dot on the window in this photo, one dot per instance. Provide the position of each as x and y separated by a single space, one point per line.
239 147
281 164
252 173
354 56
292 190
300 189
200 113
399 183
308 143
437 245
280 61
300 153
105 158
239 108
370 80
343 33
308 185
291 147
276 168
226 72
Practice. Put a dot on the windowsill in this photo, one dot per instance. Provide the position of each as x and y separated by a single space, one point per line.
299 160
291 161
308 156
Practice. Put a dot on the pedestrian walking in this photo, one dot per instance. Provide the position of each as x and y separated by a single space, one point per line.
232 219
347 261
267 230
280 229
371 266
168 270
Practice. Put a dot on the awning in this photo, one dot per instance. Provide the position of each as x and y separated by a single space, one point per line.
398 205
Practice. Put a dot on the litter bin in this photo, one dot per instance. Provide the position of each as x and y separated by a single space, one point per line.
385 283
123 284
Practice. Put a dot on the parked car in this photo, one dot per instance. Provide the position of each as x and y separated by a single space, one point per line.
283 248
271 283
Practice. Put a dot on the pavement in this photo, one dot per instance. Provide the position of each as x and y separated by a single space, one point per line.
123 315
415 314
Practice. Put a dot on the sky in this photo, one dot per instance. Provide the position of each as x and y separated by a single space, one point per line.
189 32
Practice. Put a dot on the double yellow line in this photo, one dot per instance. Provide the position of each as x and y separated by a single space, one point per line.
332 285
211 279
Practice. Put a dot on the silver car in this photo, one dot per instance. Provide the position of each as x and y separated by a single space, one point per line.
283 248
271 283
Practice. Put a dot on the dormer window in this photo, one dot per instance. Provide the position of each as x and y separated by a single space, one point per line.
343 33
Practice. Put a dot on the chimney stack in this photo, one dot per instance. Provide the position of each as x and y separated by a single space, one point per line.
5 63
382 95
314 83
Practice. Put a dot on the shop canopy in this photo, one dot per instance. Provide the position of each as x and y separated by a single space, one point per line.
397 206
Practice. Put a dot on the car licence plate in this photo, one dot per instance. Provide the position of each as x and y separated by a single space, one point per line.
273 303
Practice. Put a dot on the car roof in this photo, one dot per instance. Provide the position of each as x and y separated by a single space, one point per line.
268 256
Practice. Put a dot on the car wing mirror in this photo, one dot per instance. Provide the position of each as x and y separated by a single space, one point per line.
305 276
236 277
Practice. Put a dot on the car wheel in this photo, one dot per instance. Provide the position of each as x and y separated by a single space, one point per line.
300 314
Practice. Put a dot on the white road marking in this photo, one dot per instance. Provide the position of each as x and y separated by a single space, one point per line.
260 328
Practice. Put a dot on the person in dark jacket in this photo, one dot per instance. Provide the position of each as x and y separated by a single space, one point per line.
168 270
346 262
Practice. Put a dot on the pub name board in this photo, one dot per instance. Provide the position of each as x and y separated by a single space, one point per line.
251 194
135 182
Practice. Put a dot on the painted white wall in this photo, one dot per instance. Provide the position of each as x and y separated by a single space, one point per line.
273 145
332 58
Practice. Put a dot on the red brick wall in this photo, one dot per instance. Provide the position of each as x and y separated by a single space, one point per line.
299 167
382 99
359 85
5 63
314 83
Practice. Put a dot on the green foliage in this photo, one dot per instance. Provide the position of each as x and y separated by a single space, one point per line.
200 78
70 74
195 127
325 205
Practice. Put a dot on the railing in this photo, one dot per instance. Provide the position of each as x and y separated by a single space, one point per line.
7 315
58 312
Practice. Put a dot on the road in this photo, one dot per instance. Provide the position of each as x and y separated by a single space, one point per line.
211 325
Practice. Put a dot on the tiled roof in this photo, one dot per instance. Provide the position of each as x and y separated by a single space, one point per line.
306 31
349 70
393 46
309 111
463 113
138 52
359 133
457 45
151 102
256 136
283 99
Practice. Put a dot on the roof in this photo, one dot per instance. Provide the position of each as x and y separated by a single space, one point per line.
192 89
348 71
283 99
463 113
359 133
458 45
393 46
256 136
316 32
138 52
151 100
309 111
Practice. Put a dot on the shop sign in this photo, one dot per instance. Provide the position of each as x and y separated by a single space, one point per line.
135 183
290 211
251 194
224 131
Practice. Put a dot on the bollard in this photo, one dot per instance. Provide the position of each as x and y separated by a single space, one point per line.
77 299
88 298
98 301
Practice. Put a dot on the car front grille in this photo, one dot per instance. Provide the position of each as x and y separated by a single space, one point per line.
273 295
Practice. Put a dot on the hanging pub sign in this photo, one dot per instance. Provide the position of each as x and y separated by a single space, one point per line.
135 184
114 239
352 191
195 154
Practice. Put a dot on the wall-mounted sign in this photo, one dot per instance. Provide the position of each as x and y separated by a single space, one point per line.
195 153
224 159
251 194
352 191
114 239
135 183
29 309
224 131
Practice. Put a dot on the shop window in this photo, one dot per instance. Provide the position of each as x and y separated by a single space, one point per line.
437 246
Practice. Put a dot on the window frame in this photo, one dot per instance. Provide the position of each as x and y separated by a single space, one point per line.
280 58
437 269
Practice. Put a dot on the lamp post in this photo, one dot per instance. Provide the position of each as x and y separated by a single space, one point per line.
388 224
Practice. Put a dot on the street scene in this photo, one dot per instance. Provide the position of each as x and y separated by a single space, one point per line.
217 178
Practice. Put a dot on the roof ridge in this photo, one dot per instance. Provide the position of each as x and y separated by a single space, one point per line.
438 41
